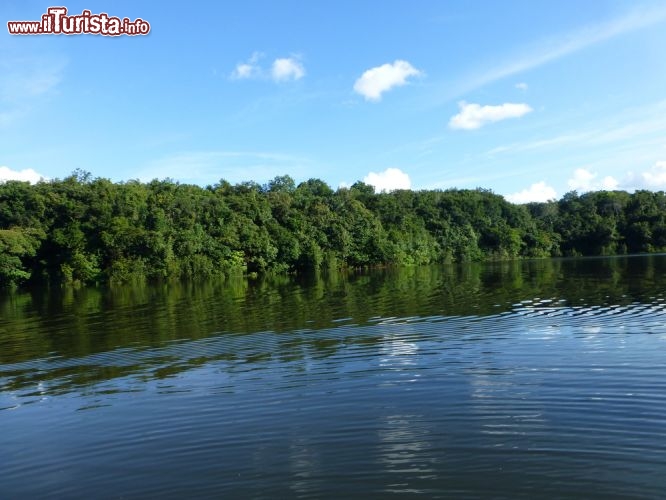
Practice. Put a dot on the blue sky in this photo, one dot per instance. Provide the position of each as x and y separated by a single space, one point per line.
529 99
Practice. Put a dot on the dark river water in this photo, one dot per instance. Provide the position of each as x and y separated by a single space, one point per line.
539 379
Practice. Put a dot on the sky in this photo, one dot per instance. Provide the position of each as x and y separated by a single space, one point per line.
528 99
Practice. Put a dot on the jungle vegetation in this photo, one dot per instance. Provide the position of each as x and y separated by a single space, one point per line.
82 229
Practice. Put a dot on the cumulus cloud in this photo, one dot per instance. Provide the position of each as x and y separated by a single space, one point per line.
243 70
288 68
521 86
536 192
653 178
283 69
473 116
28 174
388 180
584 180
248 69
581 180
375 81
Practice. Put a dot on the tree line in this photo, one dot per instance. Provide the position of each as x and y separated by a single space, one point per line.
86 230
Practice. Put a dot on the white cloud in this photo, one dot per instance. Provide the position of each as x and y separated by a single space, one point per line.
285 69
557 47
473 116
26 79
243 70
282 70
248 69
609 183
28 174
654 178
23 78
375 81
606 141
521 86
581 180
536 192
584 180
388 180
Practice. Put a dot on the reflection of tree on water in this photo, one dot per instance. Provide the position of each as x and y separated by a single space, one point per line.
68 332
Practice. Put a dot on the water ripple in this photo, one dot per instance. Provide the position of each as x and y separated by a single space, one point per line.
514 395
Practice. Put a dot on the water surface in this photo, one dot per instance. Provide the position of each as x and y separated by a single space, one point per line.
514 380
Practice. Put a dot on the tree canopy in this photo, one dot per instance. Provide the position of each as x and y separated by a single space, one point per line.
84 229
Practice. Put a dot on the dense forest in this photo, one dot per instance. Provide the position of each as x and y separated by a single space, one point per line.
85 230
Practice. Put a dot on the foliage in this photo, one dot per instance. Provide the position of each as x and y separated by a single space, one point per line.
82 230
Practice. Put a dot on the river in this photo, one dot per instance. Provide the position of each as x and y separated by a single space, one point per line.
529 379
